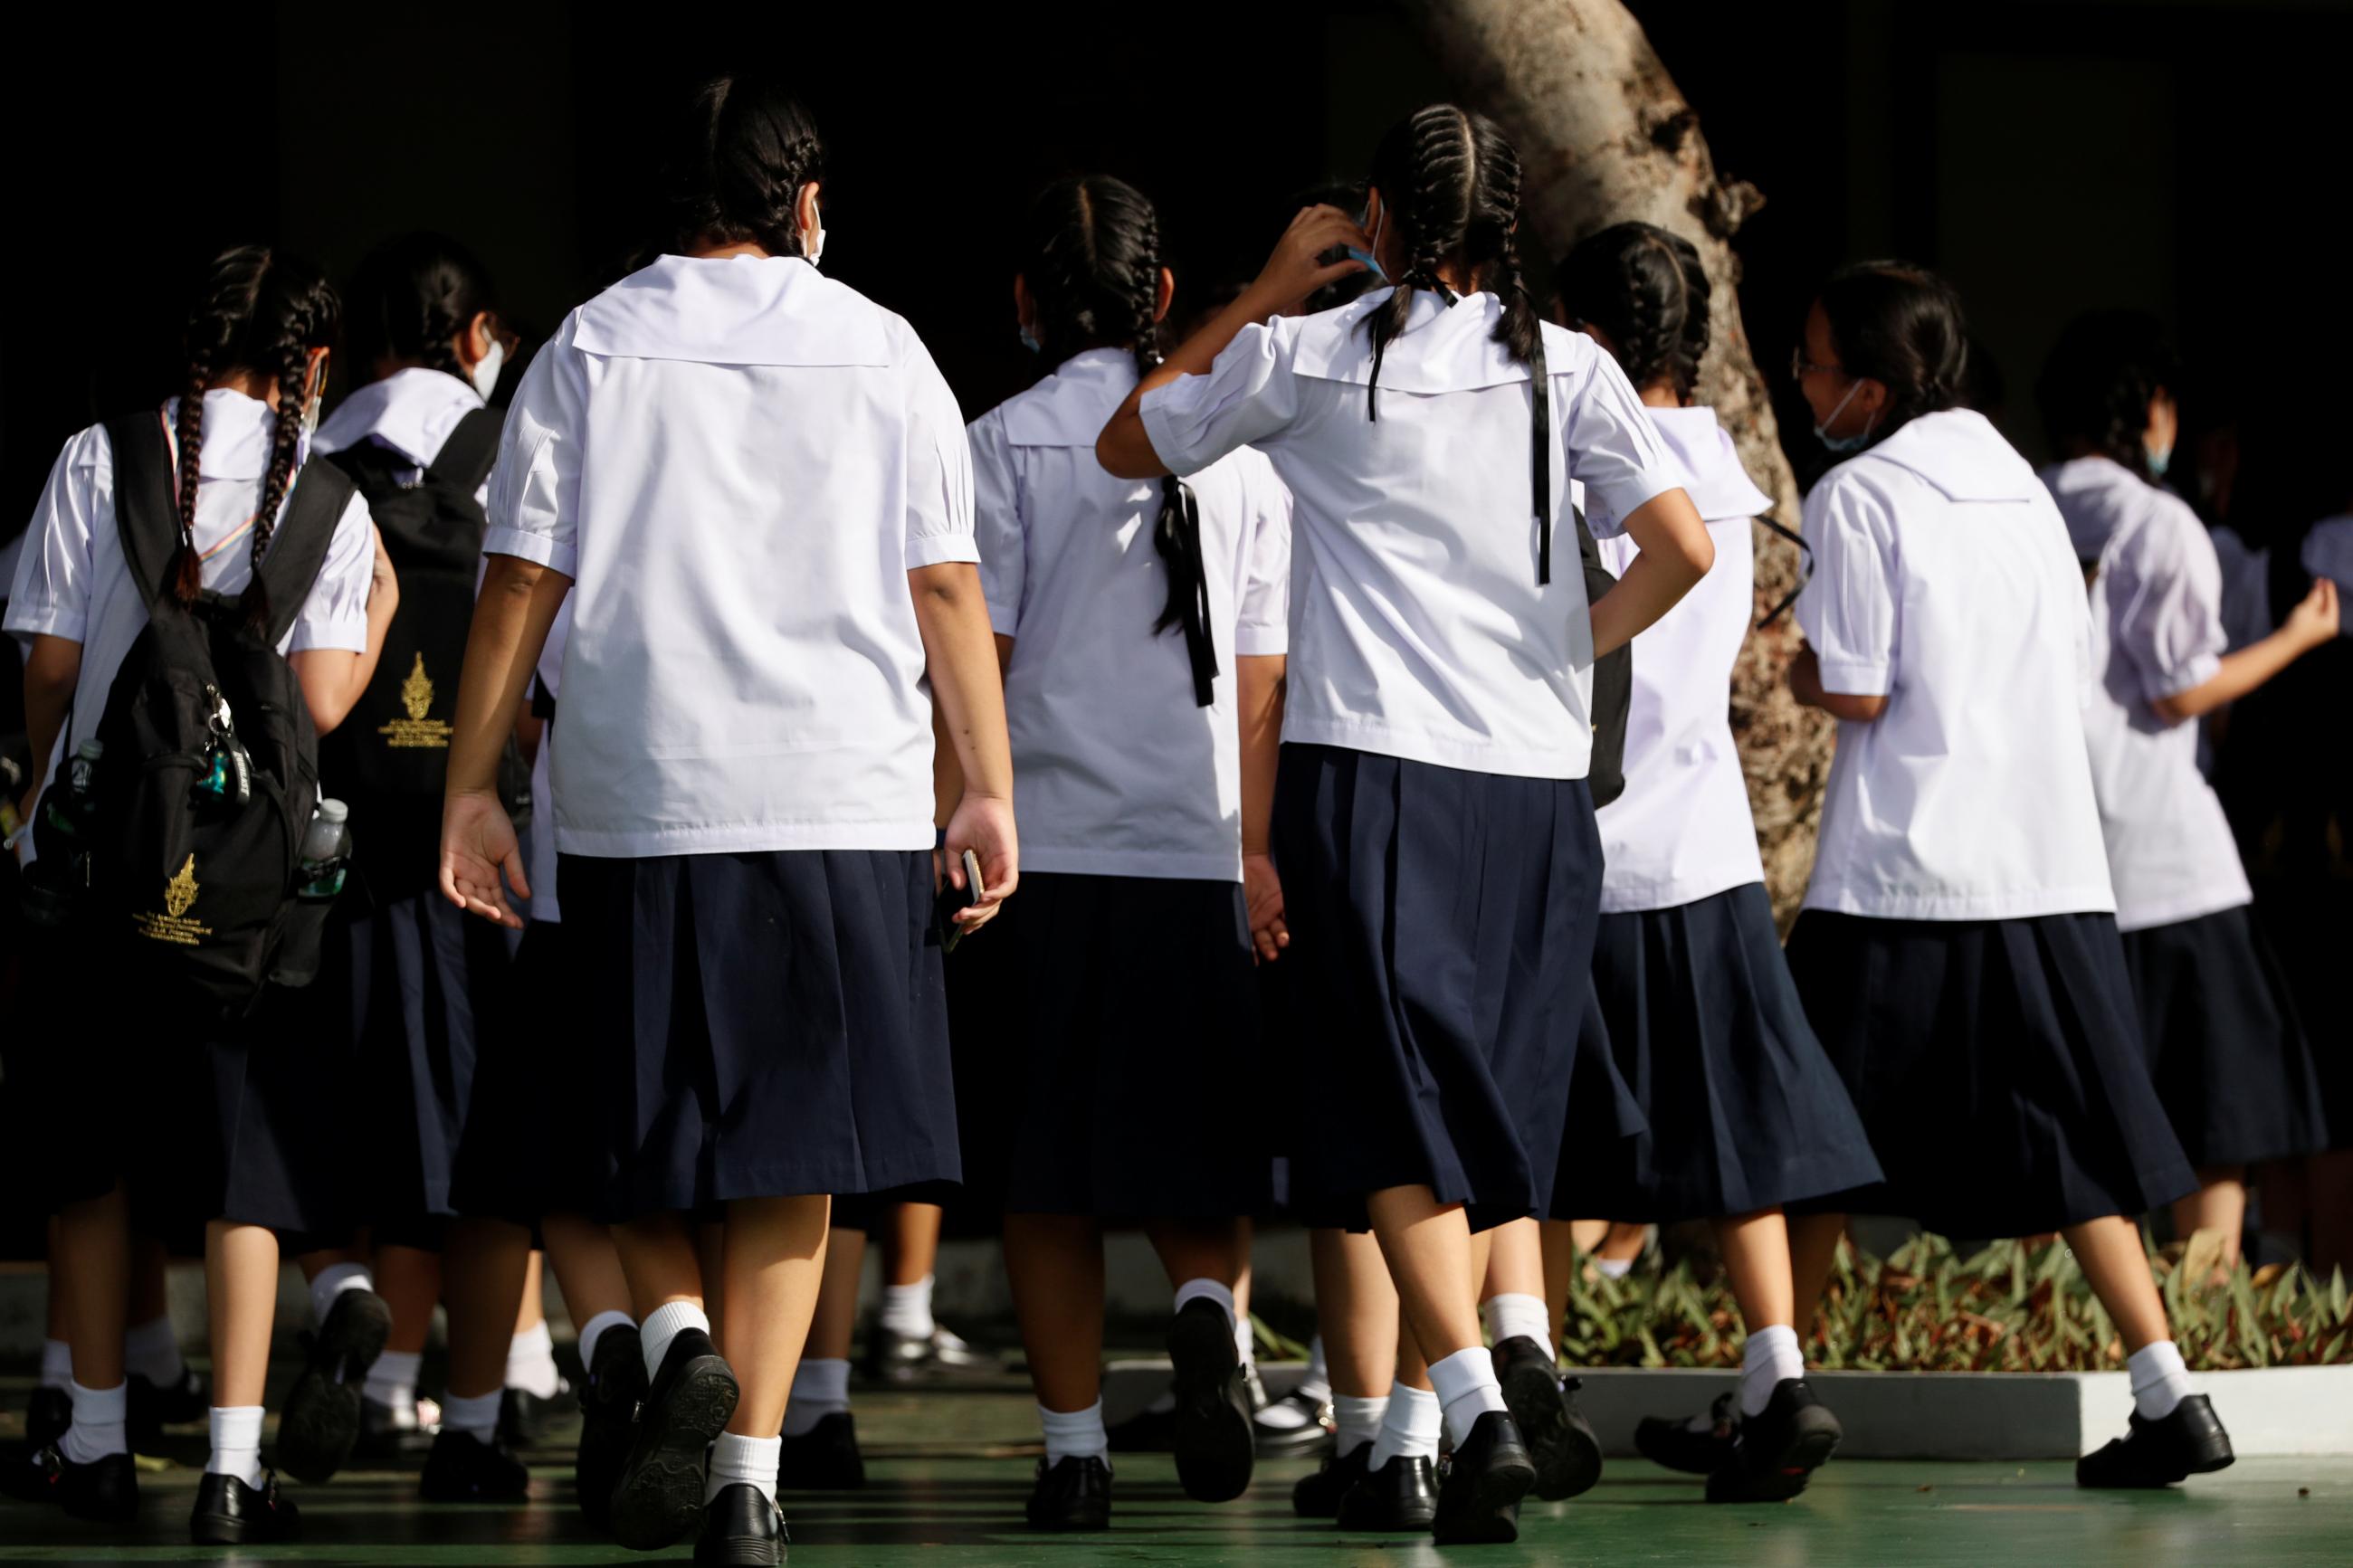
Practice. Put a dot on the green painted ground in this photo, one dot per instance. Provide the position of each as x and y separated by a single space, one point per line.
949 1472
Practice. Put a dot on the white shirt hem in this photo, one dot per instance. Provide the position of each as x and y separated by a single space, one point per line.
1995 906
1076 860
2189 907
741 838
1472 756
1646 897
941 549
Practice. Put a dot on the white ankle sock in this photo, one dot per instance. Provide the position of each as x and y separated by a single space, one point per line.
56 1364
236 1443
152 1350
392 1379
98 1430
1197 1289
1467 1389
477 1418
907 1308
593 1329
2159 1380
1409 1426
1614 1267
821 1388
1357 1421
332 1281
1245 1340
530 1363
1513 1315
743 1459
1317 1384
1074 1434
662 1325
1770 1357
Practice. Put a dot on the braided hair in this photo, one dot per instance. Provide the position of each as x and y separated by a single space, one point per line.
259 312
1644 288
743 151
1090 262
2097 386
1899 325
411 299
1450 184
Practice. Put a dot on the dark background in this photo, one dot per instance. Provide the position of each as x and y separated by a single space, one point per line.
2186 157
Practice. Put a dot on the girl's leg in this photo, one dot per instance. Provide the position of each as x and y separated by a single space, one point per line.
1557 1248
1756 1256
710 1252
2110 1253
836 1321
1512 1298
1814 1252
1620 1246
828 1459
912 1243
2189 1441
533 1312
1208 1344
242 1288
662 1263
94 1245
1587 1235
1055 1264
1356 1312
2220 1204
774 1261
1432 1256
588 1270
485 1263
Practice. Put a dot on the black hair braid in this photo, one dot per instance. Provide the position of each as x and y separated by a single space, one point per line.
1645 289
746 148
1900 325
412 298
1490 239
188 440
285 438
2097 386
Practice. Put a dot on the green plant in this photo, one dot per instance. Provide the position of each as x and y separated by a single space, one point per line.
2014 1306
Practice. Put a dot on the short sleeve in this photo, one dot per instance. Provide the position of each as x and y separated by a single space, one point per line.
1262 622
50 593
939 467
1613 447
535 498
996 522
2165 605
335 615
1848 609
1249 395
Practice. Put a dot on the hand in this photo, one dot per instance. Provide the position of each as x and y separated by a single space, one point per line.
1262 893
1296 268
984 824
478 842
2314 618
382 579
1806 678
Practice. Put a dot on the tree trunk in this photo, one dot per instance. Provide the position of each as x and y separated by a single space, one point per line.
1605 136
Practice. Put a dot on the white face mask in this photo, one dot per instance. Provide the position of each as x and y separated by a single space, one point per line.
315 399
485 374
813 241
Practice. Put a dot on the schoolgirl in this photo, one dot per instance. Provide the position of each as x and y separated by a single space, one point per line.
1433 829
1957 947
1745 1112
1142 627
256 1157
757 481
2231 1061
413 980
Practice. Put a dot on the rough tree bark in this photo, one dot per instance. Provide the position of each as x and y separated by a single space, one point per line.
1605 136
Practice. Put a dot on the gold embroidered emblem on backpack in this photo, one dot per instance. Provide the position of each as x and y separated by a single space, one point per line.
416 730
181 890
172 925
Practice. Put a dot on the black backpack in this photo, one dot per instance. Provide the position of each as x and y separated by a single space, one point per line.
1613 673
211 771
390 758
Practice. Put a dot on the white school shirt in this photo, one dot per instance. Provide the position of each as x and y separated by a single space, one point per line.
2157 631
1417 629
1682 831
1116 770
412 411
737 462
73 580
1944 581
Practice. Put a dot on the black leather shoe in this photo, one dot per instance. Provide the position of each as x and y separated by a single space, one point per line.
1675 1443
1779 1448
1214 1444
1401 1495
48 1414
608 1408
894 1357
230 1513
524 1415
463 1468
741 1525
1303 1427
29 1475
1480 1491
1567 1453
1073 1494
104 1491
320 1420
2189 1442
825 1458
154 1407
1319 1496
658 1497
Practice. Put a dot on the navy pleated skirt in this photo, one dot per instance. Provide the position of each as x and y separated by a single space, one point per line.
2232 1063
1997 1065
1443 923
761 1025
1744 1109
533 1142
1127 1019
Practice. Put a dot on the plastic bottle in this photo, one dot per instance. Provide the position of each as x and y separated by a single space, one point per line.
61 839
326 845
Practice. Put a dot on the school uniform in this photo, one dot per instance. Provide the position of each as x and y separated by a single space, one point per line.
2224 1045
222 1123
1136 1009
1433 828
1743 1110
407 977
737 462
1957 949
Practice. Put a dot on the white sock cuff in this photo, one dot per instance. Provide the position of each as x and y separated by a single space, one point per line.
535 1339
663 1324
907 1308
394 1371
1515 1315
56 1364
2160 1380
101 1406
235 1425
1467 1389
334 1280
1199 1289
1357 1421
478 1416
593 1329
824 1381
1074 1434
744 1461
1614 1267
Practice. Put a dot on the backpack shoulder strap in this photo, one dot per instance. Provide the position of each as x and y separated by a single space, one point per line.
467 455
1540 457
322 492
146 512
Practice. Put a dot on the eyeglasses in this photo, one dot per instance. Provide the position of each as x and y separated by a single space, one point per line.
1800 367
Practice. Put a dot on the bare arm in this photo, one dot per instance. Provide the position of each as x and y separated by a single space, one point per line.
1675 552
947 777
51 671
1806 686
961 657
1259 682
517 605
2312 623
333 678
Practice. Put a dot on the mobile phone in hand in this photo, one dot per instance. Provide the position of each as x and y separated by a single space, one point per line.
952 900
